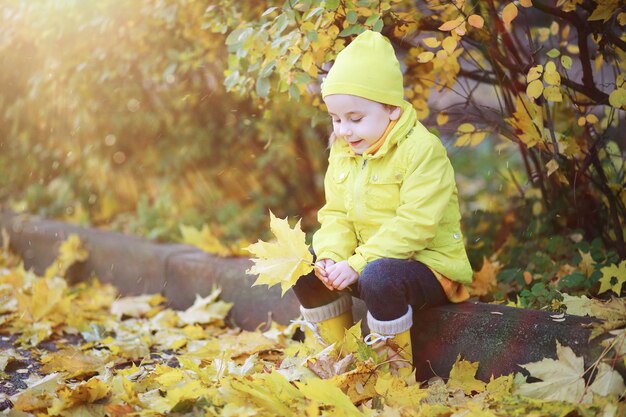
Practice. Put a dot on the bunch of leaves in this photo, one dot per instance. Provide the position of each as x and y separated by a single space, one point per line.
132 356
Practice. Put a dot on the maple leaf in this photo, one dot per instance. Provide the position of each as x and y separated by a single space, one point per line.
83 393
617 342
587 263
71 251
613 278
607 382
463 376
47 301
561 378
325 392
267 391
73 362
136 306
203 239
206 310
484 281
579 306
396 392
284 261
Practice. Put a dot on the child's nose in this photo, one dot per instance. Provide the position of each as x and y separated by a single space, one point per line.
344 130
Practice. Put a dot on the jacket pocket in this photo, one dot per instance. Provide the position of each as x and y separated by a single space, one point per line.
383 190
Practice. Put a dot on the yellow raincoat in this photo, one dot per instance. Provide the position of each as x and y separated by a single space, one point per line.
400 202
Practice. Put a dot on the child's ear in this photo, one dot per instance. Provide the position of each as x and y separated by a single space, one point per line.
394 113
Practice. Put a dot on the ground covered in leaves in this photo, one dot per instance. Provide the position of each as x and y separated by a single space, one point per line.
85 351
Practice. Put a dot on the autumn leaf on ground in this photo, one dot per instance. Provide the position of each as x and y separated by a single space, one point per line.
463 376
203 239
561 378
579 306
607 382
73 362
612 313
613 278
71 251
206 310
283 261
136 306
484 281
326 393
84 393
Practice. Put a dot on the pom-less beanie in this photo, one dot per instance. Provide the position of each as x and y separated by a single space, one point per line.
367 68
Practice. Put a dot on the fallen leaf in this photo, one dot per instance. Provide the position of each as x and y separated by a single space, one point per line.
484 281
206 310
608 381
203 239
613 278
561 378
463 376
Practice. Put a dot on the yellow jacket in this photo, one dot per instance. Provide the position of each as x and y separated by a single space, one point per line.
400 202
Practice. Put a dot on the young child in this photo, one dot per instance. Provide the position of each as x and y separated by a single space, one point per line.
390 229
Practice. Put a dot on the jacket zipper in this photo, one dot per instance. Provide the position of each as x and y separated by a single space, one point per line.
358 192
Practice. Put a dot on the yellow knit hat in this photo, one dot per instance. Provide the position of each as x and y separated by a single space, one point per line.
367 68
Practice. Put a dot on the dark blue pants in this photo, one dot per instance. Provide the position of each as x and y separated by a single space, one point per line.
387 286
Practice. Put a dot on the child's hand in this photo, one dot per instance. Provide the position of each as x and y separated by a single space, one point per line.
321 273
341 275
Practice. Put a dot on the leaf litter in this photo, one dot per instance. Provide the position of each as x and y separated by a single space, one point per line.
83 350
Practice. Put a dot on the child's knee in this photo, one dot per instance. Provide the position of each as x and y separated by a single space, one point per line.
375 278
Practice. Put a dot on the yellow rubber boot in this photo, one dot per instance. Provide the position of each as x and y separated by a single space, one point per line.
328 331
334 329
327 324
391 339
404 352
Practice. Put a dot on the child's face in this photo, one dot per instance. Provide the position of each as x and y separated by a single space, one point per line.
359 121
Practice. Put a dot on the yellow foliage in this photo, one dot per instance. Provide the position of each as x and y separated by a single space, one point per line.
613 278
509 13
70 252
528 121
463 377
203 239
484 281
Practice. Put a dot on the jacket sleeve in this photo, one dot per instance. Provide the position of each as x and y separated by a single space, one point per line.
336 238
424 194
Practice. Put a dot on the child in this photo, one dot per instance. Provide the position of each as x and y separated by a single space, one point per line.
390 229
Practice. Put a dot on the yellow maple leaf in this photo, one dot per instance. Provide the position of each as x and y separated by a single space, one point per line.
84 393
527 120
613 278
71 251
359 383
284 261
203 239
396 393
463 376
561 378
270 391
498 388
484 281
587 263
604 10
326 393
607 382
206 310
